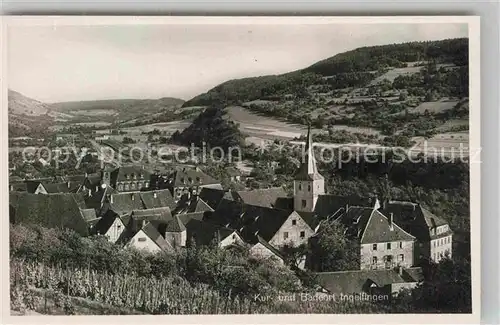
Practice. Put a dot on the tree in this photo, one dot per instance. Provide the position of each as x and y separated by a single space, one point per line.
332 250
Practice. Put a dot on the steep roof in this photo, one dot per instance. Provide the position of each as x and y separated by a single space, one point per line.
308 170
125 173
262 197
150 230
18 187
69 187
185 217
211 196
123 203
327 205
32 185
192 176
175 225
163 214
350 282
103 225
378 230
157 199
249 220
414 219
88 215
269 247
205 232
52 211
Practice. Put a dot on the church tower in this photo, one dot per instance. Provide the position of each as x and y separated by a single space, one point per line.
308 184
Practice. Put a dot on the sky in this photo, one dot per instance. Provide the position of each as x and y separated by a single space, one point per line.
73 63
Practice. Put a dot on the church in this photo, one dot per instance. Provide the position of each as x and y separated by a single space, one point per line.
388 238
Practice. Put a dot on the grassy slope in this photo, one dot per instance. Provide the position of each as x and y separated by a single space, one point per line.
355 88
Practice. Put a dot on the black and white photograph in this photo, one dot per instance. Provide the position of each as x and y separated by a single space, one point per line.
242 165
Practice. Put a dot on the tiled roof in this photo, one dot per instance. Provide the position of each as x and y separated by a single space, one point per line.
192 177
69 187
125 173
156 199
378 230
18 187
102 226
150 230
88 214
205 232
211 196
32 185
327 205
52 211
371 226
185 217
351 282
249 220
262 197
413 218
175 225
123 203
270 247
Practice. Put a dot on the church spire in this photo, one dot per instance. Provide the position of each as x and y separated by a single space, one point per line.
308 169
311 162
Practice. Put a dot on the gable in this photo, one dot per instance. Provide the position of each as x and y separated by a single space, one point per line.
377 230
288 226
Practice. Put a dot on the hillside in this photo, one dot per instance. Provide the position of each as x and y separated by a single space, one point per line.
211 128
115 110
27 116
409 89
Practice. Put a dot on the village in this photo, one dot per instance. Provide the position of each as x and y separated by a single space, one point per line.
169 209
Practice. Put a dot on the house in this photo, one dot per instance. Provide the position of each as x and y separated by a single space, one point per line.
175 232
278 227
127 178
111 226
434 235
205 233
149 239
213 196
61 210
190 180
191 204
383 244
262 197
371 282
124 203
263 250
51 188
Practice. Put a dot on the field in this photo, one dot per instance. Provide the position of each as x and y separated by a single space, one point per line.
173 295
434 107
394 73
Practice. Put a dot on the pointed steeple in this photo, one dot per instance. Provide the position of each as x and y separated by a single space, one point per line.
308 169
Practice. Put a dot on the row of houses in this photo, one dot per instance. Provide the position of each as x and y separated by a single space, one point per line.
189 207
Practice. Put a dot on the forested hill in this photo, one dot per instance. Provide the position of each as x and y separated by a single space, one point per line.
349 69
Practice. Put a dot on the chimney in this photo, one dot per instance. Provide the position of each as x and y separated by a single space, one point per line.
400 270
69 184
132 196
154 195
12 187
111 200
86 175
90 192
391 221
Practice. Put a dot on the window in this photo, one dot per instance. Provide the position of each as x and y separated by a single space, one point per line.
294 222
401 257
300 187
434 243
142 239
302 234
119 227
285 235
142 176
374 247
400 244
388 245
374 260
234 237
309 188
304 203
